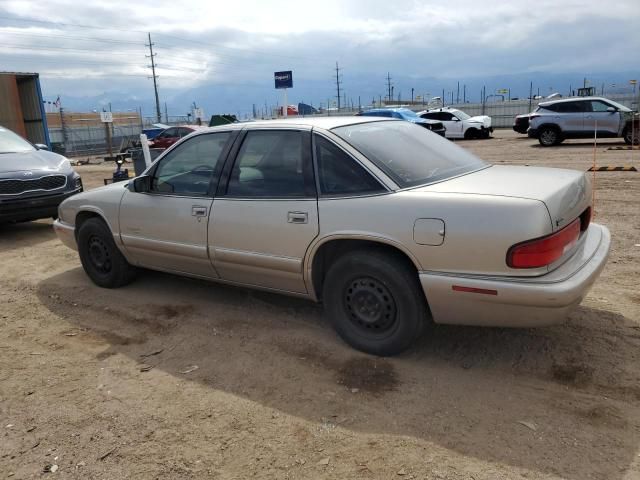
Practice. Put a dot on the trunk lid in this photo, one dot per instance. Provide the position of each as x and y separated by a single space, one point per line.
565 193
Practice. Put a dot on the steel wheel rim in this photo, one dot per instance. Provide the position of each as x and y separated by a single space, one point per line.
370 306
548 136
99 255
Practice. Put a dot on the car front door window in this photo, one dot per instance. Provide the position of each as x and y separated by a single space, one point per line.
190 168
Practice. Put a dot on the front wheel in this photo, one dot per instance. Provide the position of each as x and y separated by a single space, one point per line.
548 136
627 134
100 257
375 302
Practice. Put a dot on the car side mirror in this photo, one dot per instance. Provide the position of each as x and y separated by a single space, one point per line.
612 109
41 146
455 119
141 184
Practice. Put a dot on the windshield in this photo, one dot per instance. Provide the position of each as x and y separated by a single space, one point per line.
619 106
409 154
12 143
461 115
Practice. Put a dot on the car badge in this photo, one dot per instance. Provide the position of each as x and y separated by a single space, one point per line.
28 174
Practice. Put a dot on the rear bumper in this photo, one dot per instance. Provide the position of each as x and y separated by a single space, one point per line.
66 233
519 302
33 208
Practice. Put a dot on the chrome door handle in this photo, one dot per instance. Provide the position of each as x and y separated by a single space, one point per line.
297 217
198 211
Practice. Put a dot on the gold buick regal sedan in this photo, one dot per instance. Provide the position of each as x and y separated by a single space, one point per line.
386 223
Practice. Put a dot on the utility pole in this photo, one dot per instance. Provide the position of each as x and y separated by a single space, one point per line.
166 114
389 87
458 94
154 76
464 94
338 82
411 95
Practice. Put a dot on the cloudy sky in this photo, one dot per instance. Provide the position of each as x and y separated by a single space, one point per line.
91 47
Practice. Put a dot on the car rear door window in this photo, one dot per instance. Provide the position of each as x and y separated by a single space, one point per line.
339 173
190 168
572 107
274 164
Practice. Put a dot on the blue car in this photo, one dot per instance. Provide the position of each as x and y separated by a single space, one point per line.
408 115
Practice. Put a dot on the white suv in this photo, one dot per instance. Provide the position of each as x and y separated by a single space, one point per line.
552 122
459 124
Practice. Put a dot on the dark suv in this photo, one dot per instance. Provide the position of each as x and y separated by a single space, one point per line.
554 121
33 181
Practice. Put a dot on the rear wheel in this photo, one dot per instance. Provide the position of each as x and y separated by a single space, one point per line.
374 301
549 136
100 257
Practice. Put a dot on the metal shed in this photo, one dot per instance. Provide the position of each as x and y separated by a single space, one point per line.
21 106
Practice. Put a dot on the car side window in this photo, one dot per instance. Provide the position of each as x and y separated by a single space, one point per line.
170 133
446 116
430 116
572 107
274 164
191 166
598 106
339 174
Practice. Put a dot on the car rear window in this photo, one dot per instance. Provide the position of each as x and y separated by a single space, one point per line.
409 154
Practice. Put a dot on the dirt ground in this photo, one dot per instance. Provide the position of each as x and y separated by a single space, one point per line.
103 384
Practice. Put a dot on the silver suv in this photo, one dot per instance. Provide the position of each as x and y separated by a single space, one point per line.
554 121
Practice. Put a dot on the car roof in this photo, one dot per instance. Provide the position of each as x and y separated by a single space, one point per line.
326 123
572 99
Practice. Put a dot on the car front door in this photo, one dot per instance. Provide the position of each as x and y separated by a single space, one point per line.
451 123
165 227
265 215
597 115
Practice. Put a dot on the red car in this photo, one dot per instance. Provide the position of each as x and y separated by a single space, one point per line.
170 136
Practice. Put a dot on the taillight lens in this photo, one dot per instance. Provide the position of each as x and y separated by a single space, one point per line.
546 250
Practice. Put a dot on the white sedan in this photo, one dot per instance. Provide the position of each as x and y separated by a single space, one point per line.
459 124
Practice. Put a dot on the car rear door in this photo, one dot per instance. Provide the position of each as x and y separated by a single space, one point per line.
265 215
571 118
165 228
598 118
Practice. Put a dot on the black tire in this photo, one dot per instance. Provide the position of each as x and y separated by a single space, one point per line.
626 134
549 136
471 134
100 257
374 301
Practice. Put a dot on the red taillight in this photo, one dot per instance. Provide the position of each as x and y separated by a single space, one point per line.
546 250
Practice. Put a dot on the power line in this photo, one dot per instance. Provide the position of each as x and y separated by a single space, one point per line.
338 82
155 77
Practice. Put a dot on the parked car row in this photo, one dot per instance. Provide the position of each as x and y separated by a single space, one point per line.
585 117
